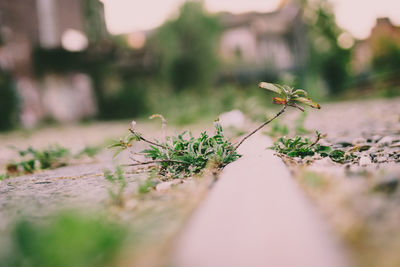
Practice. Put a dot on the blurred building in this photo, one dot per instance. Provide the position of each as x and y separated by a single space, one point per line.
384 35
27 25
273 40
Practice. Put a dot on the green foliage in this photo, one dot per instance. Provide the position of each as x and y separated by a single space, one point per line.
303 147
90 151
327 59
386 56
340 156
94 23
125 143
118 181
128 100
147 186
184 154
33 159
294 147
187 48
66 240
289 96
8 102
49 158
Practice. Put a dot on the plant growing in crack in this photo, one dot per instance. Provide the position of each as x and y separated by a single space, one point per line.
116 192
35 159
288 96
304 147
183 155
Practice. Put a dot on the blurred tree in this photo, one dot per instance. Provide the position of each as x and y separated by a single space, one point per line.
95 26
327 59
8 102
187 48
386 47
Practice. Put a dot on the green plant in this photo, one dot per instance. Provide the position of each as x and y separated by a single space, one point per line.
187 48
8 101
298 146
33 159
118 181
90 151
49 158
288 96
302 147
183 154
64 240
341 156
147 186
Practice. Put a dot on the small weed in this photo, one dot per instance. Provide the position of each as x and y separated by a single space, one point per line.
118 181
49 158
182 155
33 159
302 147
288 96
147 186
299 146
90 151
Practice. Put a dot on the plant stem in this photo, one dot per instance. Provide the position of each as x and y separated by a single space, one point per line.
154 161
145 140
316 140
260 127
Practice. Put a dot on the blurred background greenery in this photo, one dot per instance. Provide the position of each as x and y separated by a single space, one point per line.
65 239
193 67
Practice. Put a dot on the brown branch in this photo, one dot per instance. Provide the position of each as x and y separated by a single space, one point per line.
154 161
316 140
260 127
147 141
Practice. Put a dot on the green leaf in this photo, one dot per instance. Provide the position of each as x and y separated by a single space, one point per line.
300 92
119 150
337 155
306 101
271 87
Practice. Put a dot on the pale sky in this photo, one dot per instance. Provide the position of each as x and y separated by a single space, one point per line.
355 16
